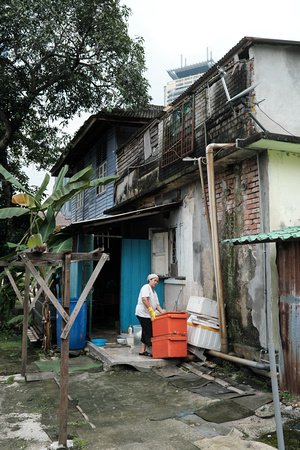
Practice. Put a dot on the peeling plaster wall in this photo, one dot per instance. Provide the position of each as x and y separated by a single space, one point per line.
273 64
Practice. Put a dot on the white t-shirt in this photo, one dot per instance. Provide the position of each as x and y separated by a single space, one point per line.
141 309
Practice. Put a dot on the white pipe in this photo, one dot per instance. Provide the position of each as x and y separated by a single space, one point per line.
237 360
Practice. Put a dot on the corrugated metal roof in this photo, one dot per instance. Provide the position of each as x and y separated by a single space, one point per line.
285 234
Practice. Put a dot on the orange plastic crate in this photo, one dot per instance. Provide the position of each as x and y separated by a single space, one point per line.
169 346
170 322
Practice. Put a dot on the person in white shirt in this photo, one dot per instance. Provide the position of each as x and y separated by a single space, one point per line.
145 311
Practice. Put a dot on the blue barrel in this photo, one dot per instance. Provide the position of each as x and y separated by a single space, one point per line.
77 335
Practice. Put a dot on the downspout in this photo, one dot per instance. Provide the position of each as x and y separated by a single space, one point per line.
215 241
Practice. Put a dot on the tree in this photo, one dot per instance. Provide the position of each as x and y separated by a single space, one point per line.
57 59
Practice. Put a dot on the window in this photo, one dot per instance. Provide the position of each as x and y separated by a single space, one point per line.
101 173
178 133
79 200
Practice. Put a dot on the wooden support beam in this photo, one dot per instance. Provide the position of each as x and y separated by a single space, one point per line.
84 294
64 357
44 286
25 323
58 258
15 287
40 289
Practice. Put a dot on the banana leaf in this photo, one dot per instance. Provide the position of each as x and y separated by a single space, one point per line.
42 188
59 181
35 239
66 193
8 213
26 200
11 179
103 181
83 175
48 225
60 242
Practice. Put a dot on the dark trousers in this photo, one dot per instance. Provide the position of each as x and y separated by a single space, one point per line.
146 325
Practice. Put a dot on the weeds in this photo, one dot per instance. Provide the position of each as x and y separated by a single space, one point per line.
79 443
10 380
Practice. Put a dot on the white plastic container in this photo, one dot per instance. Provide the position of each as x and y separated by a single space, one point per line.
203 306
203 333
137 334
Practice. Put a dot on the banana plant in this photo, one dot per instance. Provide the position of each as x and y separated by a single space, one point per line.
42 229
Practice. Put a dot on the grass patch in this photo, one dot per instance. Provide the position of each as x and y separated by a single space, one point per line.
12 342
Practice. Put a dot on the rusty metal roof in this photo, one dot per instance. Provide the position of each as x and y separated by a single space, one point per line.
283 235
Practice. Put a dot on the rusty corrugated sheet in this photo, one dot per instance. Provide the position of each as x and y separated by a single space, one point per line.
288 262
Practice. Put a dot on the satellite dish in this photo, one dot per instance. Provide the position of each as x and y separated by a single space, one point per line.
243 93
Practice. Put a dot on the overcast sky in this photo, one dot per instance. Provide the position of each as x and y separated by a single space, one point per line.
171 28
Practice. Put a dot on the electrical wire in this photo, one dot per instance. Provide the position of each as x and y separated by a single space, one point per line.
257 104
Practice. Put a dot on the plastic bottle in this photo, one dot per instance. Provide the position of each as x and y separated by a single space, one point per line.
130 329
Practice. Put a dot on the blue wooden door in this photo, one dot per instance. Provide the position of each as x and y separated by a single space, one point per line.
135 267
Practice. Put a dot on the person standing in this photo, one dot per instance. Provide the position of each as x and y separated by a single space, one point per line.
145 311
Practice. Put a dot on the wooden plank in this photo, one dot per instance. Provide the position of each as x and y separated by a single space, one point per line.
45 287
15 287
21 263
53 259
64 359
25 322
86 290
58 258
11 264
32 336
40 376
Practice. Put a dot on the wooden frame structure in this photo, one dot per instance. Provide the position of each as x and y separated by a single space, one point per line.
37 257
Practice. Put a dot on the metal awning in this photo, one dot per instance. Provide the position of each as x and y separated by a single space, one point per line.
91 225
282 235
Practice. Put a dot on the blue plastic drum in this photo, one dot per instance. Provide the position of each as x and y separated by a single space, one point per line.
77 339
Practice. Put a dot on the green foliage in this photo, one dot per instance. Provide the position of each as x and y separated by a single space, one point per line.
42 227
58 59
42 215
10 380
79 443
7 295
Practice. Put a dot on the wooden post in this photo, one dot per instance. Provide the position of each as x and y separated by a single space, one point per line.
25 322
64 358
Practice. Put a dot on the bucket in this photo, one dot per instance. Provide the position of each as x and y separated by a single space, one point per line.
77 335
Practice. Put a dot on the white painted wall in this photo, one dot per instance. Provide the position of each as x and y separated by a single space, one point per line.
278 69
284 189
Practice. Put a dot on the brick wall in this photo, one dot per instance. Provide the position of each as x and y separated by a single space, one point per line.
237 199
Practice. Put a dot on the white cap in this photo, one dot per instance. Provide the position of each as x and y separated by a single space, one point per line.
151 276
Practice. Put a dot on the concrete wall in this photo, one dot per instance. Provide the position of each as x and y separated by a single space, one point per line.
278 68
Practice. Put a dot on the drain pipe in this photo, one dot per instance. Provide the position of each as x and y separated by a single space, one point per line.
237 360
215 241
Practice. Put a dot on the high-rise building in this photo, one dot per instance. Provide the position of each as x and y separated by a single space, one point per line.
183 77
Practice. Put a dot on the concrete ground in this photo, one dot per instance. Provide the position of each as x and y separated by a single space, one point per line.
129 401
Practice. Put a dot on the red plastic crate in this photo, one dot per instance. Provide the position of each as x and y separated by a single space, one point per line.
169 346
170 322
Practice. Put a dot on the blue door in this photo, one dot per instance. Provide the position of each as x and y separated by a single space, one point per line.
135 267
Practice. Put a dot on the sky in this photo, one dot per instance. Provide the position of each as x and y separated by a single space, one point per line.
185 31
188 28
